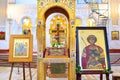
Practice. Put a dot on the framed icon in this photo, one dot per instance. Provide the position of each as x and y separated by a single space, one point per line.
115 35
92 49
21 47
2 35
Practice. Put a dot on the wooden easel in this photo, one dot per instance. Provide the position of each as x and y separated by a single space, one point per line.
23 71
90 72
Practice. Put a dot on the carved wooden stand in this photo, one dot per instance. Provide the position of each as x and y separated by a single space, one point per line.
23 71
97 72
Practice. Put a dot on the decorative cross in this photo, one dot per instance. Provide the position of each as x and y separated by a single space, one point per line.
57 32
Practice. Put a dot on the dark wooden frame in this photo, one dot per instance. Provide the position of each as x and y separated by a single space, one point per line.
107 53
97 72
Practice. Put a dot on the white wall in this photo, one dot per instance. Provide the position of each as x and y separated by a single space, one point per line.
21 10
26 2
114 44
82 12
4 44
83 1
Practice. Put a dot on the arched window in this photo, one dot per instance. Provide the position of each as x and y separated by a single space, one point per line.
91 22
26 25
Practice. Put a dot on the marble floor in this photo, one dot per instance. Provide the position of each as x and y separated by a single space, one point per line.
17 75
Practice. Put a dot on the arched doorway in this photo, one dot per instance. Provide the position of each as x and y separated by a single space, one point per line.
62 9
26 25
57 15
51 29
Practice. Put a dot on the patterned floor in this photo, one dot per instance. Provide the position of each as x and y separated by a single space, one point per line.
5 72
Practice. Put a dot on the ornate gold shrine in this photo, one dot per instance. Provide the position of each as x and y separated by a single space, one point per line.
44 9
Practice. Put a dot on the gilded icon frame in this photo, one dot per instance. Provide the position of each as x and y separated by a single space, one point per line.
21 47
86 56
2 35
115 35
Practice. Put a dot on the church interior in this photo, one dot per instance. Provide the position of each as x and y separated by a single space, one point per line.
50 40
